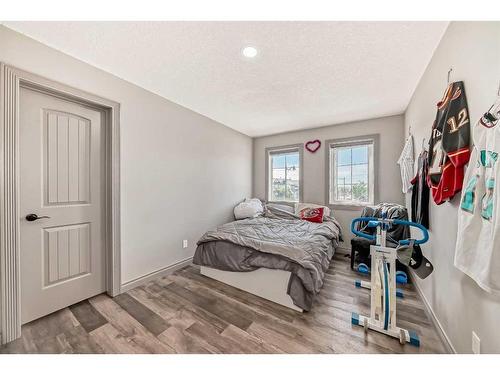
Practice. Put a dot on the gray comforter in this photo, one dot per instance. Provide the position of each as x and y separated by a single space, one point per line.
277 240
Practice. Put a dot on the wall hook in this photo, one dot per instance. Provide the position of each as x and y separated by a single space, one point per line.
449 74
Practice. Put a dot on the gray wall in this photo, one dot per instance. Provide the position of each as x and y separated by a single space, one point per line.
472 49
391 143
181 173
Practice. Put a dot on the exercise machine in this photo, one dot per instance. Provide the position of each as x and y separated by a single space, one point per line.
383 278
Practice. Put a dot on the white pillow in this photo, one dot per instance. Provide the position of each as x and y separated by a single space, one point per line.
283 207
300 206
256 201
248 209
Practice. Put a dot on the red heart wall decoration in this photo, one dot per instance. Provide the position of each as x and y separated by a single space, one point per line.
313 146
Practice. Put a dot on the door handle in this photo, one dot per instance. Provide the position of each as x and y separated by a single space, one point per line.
33 217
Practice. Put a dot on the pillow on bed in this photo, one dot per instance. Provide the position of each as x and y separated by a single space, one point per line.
282 207
248 209
314 215
300 206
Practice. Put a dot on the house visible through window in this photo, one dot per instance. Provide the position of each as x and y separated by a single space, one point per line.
284 175
351 172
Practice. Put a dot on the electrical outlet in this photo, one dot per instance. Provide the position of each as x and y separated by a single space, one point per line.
184 244
476 343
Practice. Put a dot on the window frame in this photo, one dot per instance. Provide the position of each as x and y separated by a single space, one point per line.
330 173
284 150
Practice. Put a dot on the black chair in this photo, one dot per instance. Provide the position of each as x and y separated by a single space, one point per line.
360 247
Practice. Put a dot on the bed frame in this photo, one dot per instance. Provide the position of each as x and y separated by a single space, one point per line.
270 284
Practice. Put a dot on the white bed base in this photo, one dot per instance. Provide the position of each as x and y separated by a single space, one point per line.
263 282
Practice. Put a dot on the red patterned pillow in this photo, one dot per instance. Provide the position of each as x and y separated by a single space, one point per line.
314 215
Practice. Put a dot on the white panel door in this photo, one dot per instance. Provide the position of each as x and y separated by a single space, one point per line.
62 202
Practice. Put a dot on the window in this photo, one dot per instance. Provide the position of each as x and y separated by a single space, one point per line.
351 167
284 182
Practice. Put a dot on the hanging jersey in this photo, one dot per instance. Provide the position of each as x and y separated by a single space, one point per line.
420 193
449 144
477 251
405 163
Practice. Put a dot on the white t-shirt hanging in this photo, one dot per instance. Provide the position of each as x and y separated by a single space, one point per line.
477 252
405 163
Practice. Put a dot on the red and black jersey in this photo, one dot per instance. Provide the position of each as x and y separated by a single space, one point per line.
449 145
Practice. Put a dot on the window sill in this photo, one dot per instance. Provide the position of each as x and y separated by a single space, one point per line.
348 206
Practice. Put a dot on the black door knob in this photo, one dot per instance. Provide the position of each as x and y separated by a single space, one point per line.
33 217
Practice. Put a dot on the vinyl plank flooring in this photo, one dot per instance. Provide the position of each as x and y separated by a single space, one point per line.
64 344
248 299
112 341
149 319
88 317
183 343
51 345
279 339
80 341
253 343
14 347
187 312
189 308
50 325
213 339
129 327
154 303
227 303
215 306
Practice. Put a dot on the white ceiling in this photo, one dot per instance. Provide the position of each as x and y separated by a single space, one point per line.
307 74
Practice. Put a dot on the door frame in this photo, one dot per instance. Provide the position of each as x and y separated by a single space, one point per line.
11 80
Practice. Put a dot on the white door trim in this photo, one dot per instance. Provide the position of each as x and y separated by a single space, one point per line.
11 80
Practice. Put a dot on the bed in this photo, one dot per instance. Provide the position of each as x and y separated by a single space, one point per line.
276 256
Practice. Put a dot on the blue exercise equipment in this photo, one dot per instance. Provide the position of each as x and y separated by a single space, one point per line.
363 268
401 277
384 278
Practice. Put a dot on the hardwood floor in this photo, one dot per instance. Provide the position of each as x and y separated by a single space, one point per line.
190 313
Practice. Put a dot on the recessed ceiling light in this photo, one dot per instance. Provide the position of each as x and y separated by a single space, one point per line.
249 52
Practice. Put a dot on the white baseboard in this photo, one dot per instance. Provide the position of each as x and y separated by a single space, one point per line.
430 312
154 275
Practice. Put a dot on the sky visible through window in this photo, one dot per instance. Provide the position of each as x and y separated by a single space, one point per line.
291 160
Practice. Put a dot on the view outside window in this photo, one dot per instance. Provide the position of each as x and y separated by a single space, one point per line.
351 174
285 172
